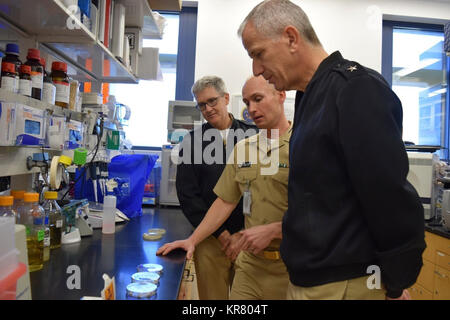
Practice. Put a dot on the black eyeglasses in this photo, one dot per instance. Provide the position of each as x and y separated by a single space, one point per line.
212 102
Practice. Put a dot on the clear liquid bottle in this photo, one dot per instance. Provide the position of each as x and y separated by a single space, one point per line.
33 219
56 220
18 203
6 210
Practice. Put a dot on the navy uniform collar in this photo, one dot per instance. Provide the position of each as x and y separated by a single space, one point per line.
327 64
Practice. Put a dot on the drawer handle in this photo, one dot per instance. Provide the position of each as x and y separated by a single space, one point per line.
439 274
440 253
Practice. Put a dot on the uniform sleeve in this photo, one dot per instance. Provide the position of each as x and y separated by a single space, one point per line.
370 133
188 190
227 187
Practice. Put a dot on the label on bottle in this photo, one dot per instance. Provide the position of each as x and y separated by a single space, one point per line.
9 84
59 223
49 93
62 91
37 79
25 87
17 84
28 230
47 237
40 235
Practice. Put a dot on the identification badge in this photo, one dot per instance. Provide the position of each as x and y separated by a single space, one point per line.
247 201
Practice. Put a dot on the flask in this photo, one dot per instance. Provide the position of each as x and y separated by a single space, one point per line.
37 73
12 55
61 82
8 82
48 88
33 219
109 215
56 220
25 80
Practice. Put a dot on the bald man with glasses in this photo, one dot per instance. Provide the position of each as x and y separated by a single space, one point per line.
196 180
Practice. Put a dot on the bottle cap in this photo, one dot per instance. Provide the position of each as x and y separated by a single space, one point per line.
6 200
25 69
59 66
37 221
30 197
12 48
8 67
17 194
51 195
34 54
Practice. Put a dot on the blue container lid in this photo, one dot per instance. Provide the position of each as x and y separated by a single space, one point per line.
12 48
37 221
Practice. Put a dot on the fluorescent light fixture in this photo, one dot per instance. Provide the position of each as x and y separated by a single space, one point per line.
420 65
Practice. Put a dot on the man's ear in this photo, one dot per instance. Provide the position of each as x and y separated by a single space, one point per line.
292 36
227 97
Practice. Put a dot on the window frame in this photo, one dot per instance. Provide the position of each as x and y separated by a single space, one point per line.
386 66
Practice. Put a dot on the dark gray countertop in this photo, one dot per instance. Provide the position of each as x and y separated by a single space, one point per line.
117 255
437 229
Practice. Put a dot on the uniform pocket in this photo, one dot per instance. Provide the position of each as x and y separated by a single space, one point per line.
244 175
281 176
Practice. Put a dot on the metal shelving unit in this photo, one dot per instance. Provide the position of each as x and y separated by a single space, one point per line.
62 34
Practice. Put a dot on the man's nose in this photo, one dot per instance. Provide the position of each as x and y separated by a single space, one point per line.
257 68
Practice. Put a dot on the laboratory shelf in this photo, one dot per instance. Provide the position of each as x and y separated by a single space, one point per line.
10 97
58 30
13 159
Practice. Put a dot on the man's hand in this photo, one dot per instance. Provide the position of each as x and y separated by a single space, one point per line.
405 296
234 248
186 244
258 238
224 239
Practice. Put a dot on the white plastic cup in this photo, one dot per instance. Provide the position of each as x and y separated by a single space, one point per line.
109 215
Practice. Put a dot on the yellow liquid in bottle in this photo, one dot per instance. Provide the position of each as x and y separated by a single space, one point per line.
35 253
55 237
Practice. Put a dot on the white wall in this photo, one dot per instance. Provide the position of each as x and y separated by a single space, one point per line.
351 26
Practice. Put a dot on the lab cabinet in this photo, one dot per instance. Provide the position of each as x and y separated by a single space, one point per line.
181 118
433 282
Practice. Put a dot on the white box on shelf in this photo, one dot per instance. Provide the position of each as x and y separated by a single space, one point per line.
74 135
56 132
7 124
30 126
135 38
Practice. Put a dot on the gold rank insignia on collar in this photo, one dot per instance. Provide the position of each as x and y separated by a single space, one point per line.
283 165
245 165
352 68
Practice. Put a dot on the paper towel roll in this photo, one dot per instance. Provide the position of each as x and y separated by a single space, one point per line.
118 30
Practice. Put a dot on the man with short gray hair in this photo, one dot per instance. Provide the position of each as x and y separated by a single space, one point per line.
197 177
350 206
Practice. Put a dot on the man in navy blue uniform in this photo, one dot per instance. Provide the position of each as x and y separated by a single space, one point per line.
351 211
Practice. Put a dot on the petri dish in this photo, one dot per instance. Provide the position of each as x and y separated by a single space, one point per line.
146 277
141 290
150 267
